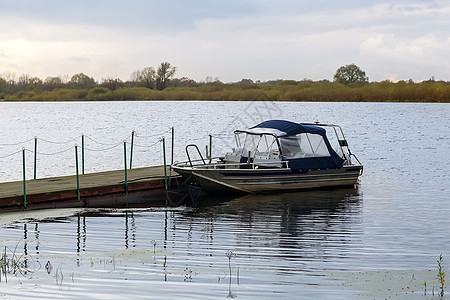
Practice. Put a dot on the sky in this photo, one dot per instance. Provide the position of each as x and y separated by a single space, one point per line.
226 39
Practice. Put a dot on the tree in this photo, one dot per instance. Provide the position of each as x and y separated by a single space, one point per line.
134 78
9 77
81 81
3 87
112 83
51 83
350 74
28 83
244 81
185 81
147 77
163 75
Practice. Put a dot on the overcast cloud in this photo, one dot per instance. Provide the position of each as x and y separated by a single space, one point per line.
231 39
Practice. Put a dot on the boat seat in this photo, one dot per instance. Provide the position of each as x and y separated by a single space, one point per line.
274 153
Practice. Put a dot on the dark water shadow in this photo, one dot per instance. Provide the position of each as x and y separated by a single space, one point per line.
299 203
300 225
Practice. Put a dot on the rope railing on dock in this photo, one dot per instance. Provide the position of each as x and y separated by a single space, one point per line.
106 144
18 143
143 144
58 143
11 154
148 146
197 139
104 149
153 135
49 154
111 146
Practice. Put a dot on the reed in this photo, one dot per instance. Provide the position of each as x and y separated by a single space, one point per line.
59 276
153 242
441 274
10 263
187 274
230 255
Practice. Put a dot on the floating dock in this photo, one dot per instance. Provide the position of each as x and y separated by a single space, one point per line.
140 186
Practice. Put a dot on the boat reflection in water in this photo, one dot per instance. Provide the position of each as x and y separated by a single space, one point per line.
279 240
307 224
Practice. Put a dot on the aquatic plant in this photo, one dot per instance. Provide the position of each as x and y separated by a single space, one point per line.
153 242
59 276
3 266
187 274
230 255
441 274
10 263
237 275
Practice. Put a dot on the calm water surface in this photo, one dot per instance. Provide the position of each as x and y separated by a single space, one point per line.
282 246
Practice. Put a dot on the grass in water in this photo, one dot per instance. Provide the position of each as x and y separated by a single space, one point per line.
230 255
59 276
11 263
441 274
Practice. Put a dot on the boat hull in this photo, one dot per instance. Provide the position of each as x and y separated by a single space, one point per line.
269 180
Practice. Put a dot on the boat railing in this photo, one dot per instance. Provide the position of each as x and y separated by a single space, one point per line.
353 155
218 163
199 153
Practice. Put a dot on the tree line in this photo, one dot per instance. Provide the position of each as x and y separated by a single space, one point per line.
147 77
350 84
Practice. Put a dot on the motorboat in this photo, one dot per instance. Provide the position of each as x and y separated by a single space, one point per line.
276 155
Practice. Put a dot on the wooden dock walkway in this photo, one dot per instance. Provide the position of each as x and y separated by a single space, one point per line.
103 189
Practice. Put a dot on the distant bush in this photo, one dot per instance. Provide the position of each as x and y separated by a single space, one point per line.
287 90
97 93
22 95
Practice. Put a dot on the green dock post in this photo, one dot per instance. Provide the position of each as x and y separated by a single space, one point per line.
78 175
173 139
165 166
125 163
165 163
82 154
131 150
24 179
210 145
35 156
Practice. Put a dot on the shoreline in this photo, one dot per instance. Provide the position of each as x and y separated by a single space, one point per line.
208 100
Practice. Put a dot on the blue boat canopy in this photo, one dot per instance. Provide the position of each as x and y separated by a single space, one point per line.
306 147
281 128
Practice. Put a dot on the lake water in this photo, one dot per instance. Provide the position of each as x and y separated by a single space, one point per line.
314 244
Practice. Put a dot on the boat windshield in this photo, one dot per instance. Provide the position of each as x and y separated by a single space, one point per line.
240 139
303 145
251 144
259 145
